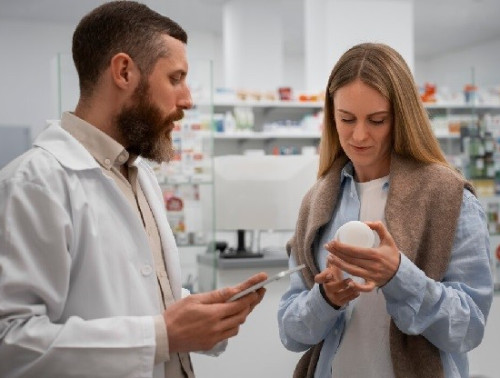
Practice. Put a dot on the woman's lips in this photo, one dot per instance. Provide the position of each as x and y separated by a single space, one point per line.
359 148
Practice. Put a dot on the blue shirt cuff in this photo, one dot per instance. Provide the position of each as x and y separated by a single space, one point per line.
323 310
407 286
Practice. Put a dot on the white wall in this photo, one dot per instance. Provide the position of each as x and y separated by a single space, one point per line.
204 47
28 93
293 72
453 69
330 31
27 90
253 45
375 24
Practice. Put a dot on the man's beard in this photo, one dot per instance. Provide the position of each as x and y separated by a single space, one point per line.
144 130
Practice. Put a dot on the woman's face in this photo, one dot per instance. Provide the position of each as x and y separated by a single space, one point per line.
364 121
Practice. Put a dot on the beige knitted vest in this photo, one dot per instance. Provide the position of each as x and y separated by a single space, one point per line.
422 211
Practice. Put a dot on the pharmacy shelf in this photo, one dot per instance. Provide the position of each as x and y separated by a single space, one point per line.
261 104
320 104
451 106
270 104
183 180
266 135
445 135
255 135
295 135
268 112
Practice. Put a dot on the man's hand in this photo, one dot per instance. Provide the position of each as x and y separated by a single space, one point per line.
199 321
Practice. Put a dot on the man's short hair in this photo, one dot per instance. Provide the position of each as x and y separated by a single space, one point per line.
120 26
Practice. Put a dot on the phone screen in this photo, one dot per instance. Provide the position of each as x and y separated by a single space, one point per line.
257 286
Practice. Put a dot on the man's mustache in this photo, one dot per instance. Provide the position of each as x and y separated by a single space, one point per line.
176 116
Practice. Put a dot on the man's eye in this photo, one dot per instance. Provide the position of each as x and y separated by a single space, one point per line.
175 79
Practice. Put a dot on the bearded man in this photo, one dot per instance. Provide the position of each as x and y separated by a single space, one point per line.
89 270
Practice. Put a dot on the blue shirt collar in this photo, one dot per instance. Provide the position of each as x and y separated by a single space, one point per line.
347 173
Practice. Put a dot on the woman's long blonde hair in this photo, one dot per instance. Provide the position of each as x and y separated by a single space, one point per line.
384 69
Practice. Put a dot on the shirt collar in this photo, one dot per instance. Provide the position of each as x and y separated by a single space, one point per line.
105 150
347 173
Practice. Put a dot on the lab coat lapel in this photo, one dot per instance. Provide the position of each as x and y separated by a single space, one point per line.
155 199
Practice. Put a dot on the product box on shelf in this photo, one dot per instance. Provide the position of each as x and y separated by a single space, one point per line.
184 176
191 161
185 213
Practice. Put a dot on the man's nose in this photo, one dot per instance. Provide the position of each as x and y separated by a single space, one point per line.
185 101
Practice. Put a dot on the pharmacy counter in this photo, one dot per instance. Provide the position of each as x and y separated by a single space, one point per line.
256 350
218 272
270 259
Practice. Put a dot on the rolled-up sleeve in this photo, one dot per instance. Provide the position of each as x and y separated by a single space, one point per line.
304 316
452 313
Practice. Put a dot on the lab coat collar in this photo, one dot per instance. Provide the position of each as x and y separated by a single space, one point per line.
72 155
66 149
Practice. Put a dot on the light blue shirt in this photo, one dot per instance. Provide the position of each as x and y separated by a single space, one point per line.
451 314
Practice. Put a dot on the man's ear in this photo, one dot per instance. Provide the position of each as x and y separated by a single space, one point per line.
124 71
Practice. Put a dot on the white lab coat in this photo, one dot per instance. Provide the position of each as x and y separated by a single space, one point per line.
78 288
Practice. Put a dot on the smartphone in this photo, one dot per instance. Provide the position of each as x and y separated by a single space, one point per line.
257 286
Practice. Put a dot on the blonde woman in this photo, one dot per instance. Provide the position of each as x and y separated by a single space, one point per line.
427 286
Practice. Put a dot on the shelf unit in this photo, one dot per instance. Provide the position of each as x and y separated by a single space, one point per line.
466 107
265 112
270 104
276 127
263 135
187 188
455 143
449 118
268 111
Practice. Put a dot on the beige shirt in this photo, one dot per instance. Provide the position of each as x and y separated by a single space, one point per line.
115 161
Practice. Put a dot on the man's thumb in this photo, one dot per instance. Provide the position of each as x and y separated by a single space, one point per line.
223 294
217 296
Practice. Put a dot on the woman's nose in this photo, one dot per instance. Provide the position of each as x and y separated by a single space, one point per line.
359 132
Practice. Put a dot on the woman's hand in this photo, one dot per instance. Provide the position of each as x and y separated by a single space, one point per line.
338 290
375 265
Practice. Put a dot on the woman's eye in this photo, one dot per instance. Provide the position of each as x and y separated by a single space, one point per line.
377 121
348 120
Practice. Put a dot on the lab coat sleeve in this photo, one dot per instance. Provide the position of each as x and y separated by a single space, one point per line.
35 266
304 316
452 313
